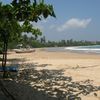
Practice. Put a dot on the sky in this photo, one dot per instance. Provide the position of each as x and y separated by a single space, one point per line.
75 19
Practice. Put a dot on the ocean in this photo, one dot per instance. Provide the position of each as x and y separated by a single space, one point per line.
78 49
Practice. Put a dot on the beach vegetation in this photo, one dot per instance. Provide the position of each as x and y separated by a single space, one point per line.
43 42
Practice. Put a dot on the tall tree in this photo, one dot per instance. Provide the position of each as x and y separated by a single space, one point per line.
25 11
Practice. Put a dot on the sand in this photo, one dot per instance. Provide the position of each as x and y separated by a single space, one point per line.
79 66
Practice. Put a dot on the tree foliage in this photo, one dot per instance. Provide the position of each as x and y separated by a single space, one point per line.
18 11
23 11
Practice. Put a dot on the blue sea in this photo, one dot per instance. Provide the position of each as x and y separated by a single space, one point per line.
78 49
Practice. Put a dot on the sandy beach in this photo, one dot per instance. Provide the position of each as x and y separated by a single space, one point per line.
80 67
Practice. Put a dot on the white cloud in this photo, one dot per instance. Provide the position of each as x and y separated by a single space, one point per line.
74 23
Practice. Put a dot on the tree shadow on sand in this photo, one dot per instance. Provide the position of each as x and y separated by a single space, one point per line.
53 84
32 84
12 90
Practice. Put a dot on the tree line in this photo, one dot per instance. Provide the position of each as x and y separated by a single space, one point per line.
27 41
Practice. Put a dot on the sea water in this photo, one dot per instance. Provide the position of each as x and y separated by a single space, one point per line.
85 49
80 49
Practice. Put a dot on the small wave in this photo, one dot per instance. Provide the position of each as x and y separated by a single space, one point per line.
84 49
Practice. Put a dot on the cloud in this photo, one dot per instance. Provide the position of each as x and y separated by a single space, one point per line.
74 23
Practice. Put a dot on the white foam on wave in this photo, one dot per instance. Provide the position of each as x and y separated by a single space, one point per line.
84 49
